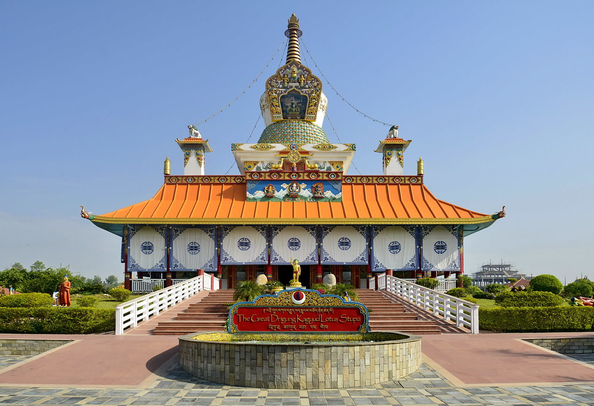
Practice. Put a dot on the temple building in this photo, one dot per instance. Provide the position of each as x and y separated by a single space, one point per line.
293 199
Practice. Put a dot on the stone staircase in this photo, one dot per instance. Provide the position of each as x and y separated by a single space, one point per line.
388 312
386 315
207 315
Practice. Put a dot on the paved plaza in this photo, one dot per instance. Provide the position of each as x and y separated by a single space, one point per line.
169 385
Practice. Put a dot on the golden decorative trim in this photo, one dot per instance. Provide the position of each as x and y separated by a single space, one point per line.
337 165
313 175
389 180
262 147
182 180
282 221
325 147
250 165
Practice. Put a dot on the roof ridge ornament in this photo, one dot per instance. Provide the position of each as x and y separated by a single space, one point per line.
293 33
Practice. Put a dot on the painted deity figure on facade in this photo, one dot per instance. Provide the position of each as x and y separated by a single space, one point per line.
269 190
318 190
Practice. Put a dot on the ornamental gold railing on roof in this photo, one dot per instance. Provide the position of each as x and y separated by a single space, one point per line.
313 175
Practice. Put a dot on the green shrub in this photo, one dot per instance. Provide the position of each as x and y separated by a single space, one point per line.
546 283
496 288
430 283
271 285
120 294
528 299
247 291
457 292
466 281
474 290
87 301
484 295
581 287
26 300
516 319
321 287
470 299
340 288
56 320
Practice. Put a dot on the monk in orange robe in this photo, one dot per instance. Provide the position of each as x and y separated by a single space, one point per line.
65 292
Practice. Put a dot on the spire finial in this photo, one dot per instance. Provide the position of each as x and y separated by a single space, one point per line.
293 33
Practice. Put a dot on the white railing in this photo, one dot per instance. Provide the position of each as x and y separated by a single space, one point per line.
146 285
130 313
461 312
444 284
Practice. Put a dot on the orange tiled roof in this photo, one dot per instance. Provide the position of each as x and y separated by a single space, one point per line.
217 203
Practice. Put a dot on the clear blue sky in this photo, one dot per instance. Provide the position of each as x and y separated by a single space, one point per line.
498 98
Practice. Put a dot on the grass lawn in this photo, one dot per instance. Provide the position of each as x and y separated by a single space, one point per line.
486 303
105 302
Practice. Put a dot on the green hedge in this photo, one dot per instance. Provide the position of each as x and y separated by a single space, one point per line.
516 319
26 300
56 320
528 299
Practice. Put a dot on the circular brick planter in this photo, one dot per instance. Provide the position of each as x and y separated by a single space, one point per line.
323 365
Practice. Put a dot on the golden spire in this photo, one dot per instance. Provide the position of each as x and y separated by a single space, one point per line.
167 167
420 167
293 33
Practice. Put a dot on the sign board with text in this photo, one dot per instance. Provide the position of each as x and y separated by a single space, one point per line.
299 311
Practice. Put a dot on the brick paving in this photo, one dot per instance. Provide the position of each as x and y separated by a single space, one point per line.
424 387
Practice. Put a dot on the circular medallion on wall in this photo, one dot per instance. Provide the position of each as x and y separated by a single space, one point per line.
147 247
244 244
440 247
394 247
344 243
294 243
193 248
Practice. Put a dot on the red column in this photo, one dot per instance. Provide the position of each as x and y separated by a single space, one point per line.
434 274
168 282
269 272
200 272
127 280
390 272
319 273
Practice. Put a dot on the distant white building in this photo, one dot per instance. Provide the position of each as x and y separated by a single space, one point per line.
495 273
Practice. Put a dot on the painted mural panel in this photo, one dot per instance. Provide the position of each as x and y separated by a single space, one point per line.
287 190
147 248
244 245
193 248
441 248
394 247
294 242
344 245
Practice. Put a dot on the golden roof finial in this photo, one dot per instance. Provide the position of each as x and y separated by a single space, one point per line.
293 33
167 167
420 167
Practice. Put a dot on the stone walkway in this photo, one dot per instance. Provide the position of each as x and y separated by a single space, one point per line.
175 387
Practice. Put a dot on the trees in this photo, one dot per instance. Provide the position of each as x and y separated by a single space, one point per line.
111 282
466 281
580 287
546 283
14 277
